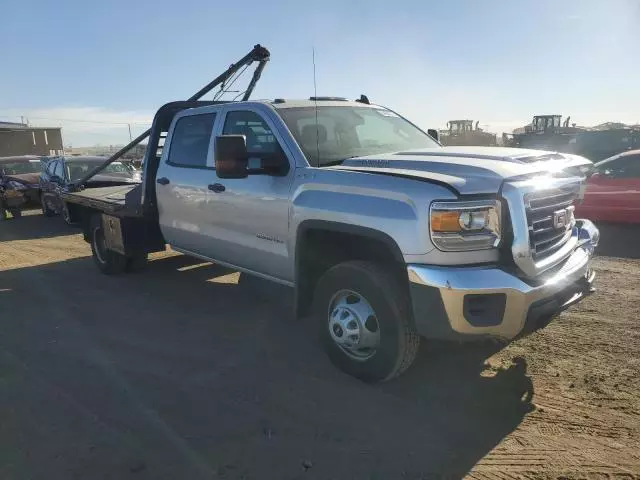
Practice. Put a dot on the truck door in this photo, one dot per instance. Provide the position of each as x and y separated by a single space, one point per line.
183 175
251 215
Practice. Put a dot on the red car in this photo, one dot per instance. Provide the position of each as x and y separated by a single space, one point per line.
613 191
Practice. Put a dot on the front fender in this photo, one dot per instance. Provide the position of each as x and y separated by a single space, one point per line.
396 207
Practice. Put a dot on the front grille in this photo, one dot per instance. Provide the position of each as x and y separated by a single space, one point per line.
545 238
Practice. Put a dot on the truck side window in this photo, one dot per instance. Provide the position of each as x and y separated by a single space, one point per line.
260 138
190 141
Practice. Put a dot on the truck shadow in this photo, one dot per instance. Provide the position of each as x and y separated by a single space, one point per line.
619 240
34 225
193 375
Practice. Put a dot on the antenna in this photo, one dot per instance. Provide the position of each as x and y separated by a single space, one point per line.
315 100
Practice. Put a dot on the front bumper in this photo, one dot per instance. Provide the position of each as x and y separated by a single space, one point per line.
467 303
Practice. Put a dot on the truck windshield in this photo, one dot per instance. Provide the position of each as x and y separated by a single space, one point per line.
346 132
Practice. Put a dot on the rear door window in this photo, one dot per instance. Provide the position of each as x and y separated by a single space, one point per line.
190 141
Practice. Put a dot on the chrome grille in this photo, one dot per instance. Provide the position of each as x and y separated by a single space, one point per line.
547 236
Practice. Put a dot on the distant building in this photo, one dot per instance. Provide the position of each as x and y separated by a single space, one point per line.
21 139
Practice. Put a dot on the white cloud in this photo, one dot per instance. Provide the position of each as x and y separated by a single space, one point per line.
86 126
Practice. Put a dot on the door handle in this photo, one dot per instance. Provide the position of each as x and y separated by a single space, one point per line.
163 181
217 187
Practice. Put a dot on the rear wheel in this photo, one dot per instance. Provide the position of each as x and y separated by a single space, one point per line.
108 261
363 316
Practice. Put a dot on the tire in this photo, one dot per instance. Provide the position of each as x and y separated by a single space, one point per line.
16 213
4 214
46 211
107 261
384 300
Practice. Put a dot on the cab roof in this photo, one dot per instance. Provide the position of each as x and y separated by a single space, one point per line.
282 103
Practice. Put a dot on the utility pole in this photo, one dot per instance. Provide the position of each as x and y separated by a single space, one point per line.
130 138
22 119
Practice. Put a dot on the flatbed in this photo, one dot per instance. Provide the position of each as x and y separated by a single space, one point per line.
119 200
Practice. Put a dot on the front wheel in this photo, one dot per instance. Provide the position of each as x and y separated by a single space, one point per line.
364 320
108 261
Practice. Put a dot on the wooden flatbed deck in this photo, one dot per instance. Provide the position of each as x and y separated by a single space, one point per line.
120 200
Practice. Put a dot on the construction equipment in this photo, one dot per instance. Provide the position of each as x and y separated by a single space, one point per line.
462 132
549 132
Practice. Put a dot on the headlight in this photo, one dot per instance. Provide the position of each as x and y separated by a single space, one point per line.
464 226
16 185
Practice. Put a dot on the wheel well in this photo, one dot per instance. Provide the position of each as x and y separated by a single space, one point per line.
81 215
318 249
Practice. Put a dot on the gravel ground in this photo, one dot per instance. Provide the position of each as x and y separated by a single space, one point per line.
189 371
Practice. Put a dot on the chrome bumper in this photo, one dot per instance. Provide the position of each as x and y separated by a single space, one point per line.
468 302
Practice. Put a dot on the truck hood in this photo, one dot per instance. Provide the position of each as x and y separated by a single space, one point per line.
25 178
469 170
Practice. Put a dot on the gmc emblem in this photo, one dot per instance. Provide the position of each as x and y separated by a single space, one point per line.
563 218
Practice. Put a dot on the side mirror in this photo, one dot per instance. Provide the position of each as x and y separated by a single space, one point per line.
231 156
433 133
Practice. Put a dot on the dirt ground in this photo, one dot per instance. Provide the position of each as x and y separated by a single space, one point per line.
189 371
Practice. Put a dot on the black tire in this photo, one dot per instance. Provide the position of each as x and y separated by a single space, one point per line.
108 261
4 214
16 212
46 211
399 341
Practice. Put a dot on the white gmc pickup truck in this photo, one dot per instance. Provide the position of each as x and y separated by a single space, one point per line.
384 235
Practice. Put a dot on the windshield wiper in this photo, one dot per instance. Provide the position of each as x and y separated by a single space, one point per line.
337 162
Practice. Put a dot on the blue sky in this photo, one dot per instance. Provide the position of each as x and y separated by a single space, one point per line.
75 62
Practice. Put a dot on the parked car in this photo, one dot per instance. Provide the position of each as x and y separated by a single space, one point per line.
612 192
60 172
19 184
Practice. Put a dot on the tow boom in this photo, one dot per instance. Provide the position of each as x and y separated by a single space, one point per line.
258 54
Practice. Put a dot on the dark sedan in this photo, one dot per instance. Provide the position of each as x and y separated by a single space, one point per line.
61 172
19 183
